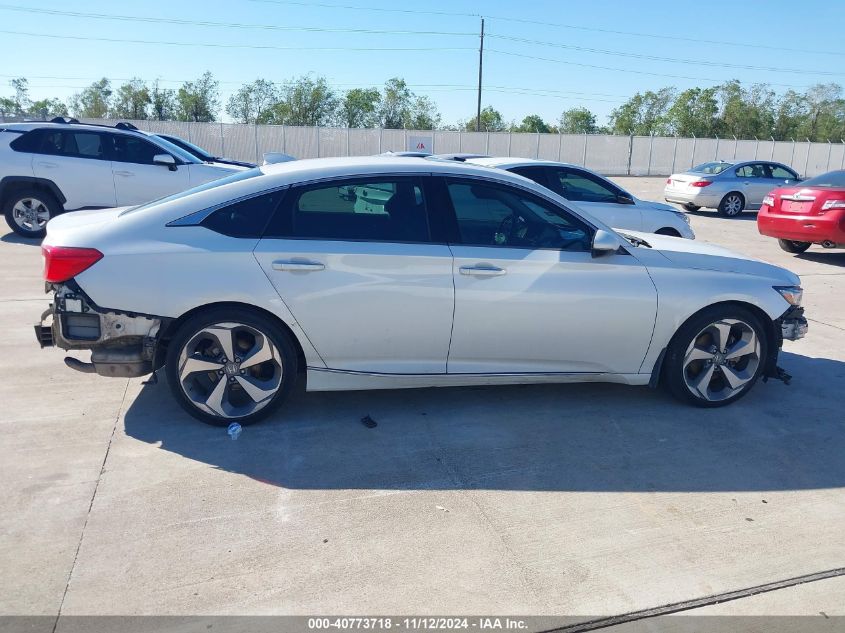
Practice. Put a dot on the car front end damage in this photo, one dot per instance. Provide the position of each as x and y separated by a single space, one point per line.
122 344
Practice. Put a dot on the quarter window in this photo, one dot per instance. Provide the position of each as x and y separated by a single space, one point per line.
75 144
495 215
579 186
246 218
388 210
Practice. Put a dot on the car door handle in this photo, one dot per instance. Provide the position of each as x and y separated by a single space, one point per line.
124 173
47 165
483 271
283 264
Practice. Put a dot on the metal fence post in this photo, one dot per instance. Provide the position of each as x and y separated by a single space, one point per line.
692 156
842 166
222 140
284 140
190 127
347 141
404 139
584 160
792 158
650 149
674 153
559 144
772 154
630 152
510 139
537 148
829 150
487 143
257 150
756 147
716 153
317 130
736 142
380 133
807 161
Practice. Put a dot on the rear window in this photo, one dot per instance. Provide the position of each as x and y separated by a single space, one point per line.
711 168
834 179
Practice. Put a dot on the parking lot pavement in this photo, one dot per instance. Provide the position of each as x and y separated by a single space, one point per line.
572 500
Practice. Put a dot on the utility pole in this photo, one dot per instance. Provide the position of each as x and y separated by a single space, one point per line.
480 65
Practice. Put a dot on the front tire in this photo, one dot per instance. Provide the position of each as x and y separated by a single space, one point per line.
691 207
732 204
27 211
791 246
715 358
230 365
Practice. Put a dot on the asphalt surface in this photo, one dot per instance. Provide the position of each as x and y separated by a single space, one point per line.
576 500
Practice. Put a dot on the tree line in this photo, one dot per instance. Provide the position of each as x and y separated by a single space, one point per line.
729 109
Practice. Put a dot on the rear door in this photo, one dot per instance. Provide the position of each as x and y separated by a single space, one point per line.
596 196
357 264
78 162
136 178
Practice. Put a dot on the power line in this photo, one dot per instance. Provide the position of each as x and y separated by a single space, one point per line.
323 5
673 60
179 21
249 46
623 70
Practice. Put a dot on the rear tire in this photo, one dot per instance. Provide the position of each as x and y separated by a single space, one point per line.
691 207
791 246
715 358
230 365
28 210
732 204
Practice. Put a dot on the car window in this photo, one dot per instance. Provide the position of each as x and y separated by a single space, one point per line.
246 218
711 168
535 172
384 210
28 142
497 215
74 143
755 170
782 173
131 149
580 186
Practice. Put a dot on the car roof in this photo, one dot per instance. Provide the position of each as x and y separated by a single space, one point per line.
48 125
505 162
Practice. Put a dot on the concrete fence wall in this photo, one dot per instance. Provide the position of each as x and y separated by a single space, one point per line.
606 154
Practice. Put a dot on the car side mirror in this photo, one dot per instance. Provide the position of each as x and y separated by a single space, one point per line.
165 159
604 243
624 198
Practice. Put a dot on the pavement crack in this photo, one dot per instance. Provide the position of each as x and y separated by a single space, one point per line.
827 324
697 603
90 506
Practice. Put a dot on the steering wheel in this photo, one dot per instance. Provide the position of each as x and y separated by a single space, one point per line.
513 227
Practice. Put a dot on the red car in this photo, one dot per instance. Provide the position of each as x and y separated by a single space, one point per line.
812 212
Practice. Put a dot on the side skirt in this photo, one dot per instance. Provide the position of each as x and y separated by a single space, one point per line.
339 380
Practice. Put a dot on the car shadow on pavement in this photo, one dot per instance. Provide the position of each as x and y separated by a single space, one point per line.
585 437
14 238
745 215
831 257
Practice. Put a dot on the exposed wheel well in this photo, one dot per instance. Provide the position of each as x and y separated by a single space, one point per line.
765 320
174 325
668 230
8 186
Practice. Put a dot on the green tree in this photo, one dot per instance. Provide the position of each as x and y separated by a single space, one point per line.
643 114
360 107
162 103
198 100
252 102
694 113
790 115
395 103
491 121
746 112
93 101
48 108
578 121
306 100
533 123
22 101
825 113
132 100
422 115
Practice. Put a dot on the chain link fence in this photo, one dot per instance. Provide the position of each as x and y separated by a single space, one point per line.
611 155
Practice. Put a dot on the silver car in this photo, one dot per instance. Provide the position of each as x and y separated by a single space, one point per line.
729 187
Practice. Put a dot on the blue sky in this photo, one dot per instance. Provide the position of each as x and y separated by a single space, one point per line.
565 75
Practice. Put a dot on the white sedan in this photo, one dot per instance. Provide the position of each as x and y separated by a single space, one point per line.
598 196
446 274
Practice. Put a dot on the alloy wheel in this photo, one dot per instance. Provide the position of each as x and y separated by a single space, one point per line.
230 370
732 205
31 214
721 360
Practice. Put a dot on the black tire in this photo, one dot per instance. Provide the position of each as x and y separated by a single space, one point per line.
674 375
265 326
791 246
732 205
668 231
46 202
691 207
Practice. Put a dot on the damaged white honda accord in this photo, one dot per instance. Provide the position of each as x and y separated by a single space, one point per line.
383 272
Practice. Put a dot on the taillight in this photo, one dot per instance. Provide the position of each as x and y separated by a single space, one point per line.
64 262
701 183
833 204
769 201
668 181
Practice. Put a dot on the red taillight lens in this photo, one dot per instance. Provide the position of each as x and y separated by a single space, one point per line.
668 181
701 183
64 262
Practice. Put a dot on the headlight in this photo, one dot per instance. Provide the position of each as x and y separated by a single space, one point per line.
792 294
681 215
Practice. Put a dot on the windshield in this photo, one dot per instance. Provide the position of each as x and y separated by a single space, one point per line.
198 152
177 151
830 179
236 177
711 168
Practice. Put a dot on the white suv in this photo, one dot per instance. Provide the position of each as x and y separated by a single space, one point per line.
49 168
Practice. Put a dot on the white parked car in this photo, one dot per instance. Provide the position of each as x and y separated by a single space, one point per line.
461 275
49 168
598 196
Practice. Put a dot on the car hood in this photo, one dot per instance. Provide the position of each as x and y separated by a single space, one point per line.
695 254
658 206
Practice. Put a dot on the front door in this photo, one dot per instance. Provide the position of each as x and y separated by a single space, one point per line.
136 178
529 296
354 262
